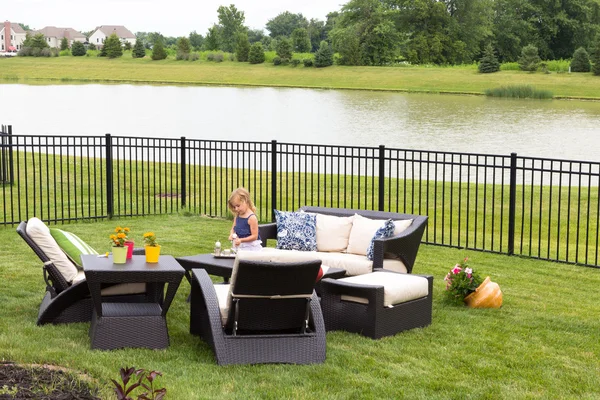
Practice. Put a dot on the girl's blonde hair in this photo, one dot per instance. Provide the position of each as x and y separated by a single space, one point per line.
242 195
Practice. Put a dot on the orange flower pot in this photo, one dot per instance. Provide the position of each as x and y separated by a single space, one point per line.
487 295
152 254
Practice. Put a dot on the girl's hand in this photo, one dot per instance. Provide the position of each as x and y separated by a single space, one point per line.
230 237
237 241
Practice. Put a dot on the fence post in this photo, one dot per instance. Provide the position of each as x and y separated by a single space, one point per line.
381 177
512 203
10 155
183 172
109 177
273 178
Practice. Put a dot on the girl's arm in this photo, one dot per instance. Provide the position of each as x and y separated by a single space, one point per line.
232 229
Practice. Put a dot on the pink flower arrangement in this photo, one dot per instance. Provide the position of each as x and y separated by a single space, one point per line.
461 281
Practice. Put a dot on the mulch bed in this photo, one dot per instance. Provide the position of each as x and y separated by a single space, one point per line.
42 383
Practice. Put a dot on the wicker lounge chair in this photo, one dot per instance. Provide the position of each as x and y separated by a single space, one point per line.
65 302
274 315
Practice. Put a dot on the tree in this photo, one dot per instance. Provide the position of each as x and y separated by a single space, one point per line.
371 21
212 38
196 40
284 48
231 21
36 42
92 46
255 35
596 57
285 23
78 49
183 45
316 32
256 55
112 47
324 56
139 51
242 47
580 61
64 43
301 41
127 45
158 51
529 60
489 62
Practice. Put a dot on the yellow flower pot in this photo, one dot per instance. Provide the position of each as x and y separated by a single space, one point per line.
487 295
119 255
152 254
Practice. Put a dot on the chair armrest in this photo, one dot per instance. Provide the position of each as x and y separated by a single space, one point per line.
206 320
404 246
266 232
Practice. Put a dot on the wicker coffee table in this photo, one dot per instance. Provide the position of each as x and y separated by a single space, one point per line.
117 325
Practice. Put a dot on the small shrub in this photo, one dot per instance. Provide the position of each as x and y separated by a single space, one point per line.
231 57
529 60
145 381
295 62
64 53
324 56
256 54
78 49
581 61
194 57
45 53
488 63
308 62
182 56
210 57
519 92
276 60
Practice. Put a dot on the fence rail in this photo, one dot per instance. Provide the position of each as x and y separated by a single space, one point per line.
534 207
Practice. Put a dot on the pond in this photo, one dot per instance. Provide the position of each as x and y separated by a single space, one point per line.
473 124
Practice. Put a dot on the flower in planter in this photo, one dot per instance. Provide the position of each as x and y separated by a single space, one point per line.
119 238
150 239
461 281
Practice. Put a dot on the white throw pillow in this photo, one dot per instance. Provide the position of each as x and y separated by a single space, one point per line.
363 230
40 234
333 232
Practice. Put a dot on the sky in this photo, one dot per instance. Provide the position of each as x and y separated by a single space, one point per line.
170 18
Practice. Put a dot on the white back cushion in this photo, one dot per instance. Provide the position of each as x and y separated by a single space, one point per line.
363 230
40 234
333 232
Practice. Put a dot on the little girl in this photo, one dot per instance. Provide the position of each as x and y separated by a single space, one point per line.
244 231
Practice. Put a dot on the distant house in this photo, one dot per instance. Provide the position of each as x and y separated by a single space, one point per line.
102 32
55 35
12 36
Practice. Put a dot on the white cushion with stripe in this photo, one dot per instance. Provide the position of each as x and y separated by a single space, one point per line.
72 245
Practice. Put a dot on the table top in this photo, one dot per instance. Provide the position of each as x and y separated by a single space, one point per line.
205 259
135 268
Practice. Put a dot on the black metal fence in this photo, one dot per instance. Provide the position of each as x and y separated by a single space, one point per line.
536 207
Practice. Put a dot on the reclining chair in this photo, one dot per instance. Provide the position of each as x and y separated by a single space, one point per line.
268 314
68 300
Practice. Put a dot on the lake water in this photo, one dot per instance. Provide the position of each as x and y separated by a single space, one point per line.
474 124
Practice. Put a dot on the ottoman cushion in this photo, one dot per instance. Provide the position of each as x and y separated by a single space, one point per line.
398 288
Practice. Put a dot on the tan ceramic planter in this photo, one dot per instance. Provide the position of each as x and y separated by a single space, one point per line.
487 295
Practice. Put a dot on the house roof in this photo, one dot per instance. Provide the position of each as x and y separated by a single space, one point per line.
52 31
14 26
120 30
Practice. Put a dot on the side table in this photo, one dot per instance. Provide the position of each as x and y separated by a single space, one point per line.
117 325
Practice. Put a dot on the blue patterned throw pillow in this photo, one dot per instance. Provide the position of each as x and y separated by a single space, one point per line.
296 231
386 230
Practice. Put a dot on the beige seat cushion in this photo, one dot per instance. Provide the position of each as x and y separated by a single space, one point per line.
333 232
398 288
353 264
222 291
116 290
363 230
40 234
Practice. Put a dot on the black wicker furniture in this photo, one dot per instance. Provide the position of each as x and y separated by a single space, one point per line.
404 246
66 302
274 314
365 308
116 325
224 266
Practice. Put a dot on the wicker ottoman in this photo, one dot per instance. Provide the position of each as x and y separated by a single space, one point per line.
378 304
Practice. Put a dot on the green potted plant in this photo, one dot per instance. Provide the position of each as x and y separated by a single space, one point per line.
465 286
119 249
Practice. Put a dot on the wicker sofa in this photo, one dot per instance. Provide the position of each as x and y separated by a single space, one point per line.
396 253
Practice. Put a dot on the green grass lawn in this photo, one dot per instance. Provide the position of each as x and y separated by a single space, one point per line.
542 344
460 79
